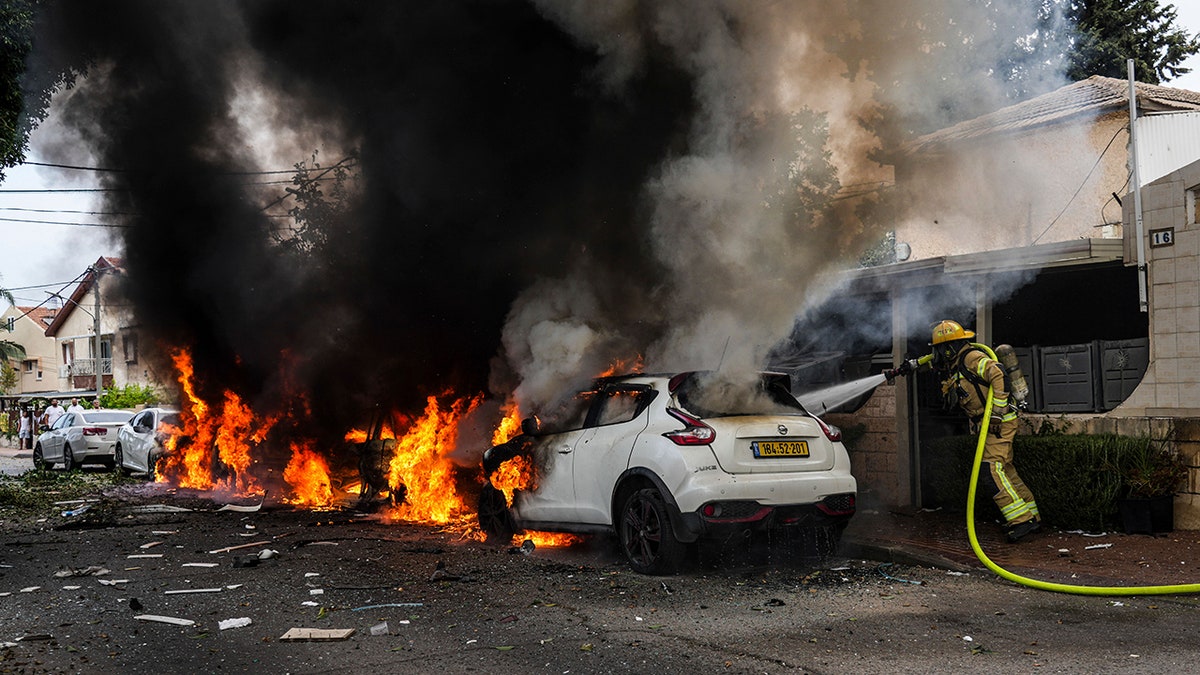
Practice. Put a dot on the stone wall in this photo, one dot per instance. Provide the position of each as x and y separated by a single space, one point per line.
874 453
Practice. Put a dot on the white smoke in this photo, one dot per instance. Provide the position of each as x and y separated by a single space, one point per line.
730 220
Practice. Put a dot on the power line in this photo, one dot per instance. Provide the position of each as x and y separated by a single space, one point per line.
86 213
102 169
59 222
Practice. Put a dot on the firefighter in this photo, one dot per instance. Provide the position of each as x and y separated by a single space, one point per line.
967 372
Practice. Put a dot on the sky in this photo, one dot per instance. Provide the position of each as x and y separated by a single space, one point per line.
42 258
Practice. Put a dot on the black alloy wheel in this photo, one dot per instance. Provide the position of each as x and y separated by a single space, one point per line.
119 461
645 534
495 518
39 459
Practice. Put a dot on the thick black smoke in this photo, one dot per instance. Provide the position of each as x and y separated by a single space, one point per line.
488 158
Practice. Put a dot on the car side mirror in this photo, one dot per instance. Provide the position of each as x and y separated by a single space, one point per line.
530 426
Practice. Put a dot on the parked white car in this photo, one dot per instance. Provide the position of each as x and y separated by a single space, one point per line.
664 462
141 440
77 438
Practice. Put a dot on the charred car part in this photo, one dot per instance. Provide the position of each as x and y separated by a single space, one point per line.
664 462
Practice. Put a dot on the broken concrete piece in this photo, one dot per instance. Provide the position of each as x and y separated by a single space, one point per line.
316 634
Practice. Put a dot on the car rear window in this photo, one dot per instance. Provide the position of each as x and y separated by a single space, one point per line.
102 417
708 394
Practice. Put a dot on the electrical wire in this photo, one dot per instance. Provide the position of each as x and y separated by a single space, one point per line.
1081 185
1026 581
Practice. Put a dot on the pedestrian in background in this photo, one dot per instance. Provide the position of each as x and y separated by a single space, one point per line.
25 430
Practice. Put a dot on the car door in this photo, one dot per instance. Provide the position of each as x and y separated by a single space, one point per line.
602 451
138 440
53 442
552 498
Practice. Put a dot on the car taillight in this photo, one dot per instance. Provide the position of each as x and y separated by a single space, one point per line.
695 432
833 433
95 431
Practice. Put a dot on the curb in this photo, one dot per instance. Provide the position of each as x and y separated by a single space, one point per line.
900 555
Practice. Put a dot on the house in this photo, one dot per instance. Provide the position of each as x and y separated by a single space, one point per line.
27 326
93 332
1020 225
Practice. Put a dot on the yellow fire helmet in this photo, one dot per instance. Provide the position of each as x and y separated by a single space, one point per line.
947 331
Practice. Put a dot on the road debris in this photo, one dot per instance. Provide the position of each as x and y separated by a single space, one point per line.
112 582
234 623
380 629
245 509
316 634
89 571
1095 546
389 604
75 512
199 565
227 549
184 591
155 508
143 555
174 621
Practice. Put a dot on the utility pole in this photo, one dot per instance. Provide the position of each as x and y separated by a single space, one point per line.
96 330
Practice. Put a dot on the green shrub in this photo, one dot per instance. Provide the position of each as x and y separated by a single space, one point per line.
1075 478
129 396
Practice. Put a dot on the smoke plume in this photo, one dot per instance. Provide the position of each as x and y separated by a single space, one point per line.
536 190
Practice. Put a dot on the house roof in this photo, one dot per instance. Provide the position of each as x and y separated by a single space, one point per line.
103 264
42 316
1097 94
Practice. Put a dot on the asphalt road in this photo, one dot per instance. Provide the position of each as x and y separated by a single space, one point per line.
453 605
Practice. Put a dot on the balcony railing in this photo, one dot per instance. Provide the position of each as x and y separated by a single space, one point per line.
87 367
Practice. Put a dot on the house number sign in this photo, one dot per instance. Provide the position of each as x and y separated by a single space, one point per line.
1163 237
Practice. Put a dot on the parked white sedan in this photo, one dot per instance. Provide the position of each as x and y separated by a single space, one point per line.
77 438
140 441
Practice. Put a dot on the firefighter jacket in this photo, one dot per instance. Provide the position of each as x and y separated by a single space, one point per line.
967 386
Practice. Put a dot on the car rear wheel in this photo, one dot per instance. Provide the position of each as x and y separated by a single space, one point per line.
68 458
495 518
39 459
645 534
119 461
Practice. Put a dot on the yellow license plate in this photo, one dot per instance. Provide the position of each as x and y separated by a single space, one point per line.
780 448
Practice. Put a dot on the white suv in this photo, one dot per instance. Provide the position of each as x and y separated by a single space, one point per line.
665 461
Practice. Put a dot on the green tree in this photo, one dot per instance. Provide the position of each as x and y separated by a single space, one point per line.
1108 32
8 348
25 87
8 377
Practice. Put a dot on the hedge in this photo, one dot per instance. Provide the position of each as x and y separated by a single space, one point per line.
1076 479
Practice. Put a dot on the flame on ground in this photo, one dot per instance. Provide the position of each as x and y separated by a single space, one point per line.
421 463
234 432
308 475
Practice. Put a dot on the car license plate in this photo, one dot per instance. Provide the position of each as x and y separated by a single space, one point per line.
779 448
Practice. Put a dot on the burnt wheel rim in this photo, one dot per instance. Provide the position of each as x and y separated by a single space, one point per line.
641 531
493 513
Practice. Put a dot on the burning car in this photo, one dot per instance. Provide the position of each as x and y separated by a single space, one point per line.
141 440
79 438
663 462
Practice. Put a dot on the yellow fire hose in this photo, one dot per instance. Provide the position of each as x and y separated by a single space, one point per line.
1034 583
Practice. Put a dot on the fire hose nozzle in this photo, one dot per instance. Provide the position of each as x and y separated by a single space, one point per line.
906 367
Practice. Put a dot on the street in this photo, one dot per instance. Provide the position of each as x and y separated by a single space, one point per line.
73 586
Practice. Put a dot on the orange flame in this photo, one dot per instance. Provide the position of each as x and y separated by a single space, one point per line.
548 539
509 426
512 474
421 463
308 475
624 366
